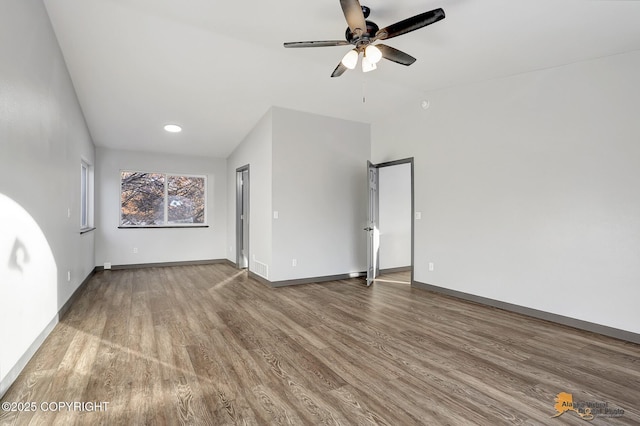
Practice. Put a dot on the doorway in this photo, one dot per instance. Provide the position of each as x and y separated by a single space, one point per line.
390 222
242 217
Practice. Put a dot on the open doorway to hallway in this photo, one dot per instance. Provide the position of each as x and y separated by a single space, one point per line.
242 217
395 221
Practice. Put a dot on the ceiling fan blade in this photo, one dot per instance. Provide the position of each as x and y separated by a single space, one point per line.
395 55
354 16
410 24
340 69
321 43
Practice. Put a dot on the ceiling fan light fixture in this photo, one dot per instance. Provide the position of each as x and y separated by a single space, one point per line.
350 60
367 65
373 54
362 34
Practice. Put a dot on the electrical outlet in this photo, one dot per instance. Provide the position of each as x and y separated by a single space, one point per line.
294 262
107 265
69 276
135 249
431 266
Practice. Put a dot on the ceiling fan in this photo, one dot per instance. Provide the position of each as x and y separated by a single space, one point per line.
362 34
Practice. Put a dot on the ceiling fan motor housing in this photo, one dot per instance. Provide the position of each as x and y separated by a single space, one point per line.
372 29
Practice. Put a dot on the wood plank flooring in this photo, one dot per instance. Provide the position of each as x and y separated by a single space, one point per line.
403 277
205 345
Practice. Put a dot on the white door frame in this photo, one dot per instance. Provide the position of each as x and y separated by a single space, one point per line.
242 217
372 217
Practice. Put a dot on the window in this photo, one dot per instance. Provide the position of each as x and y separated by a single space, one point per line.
161 199
86 196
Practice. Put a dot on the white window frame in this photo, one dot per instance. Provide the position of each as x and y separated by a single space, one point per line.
204 224
86 195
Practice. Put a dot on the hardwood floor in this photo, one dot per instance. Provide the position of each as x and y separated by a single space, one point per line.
403 277
206 345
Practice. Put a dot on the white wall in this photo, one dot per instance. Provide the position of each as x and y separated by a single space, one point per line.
254 150
311 170
43 138
529 188
157 245
394 218
320 193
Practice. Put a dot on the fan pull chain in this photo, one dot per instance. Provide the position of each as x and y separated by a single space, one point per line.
364 96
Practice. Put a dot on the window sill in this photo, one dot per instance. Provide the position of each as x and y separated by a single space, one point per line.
164 227
86 230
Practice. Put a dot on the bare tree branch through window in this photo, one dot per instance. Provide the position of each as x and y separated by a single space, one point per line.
159 199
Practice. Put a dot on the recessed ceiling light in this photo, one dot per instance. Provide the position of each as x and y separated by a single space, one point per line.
173 128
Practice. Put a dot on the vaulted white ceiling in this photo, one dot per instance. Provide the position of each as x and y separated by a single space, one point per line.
216 67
